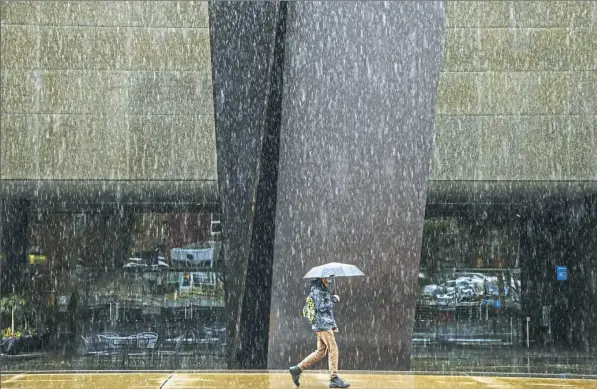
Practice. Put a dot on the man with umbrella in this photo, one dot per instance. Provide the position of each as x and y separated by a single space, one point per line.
323 322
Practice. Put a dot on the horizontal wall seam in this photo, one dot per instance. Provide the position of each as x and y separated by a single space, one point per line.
514 114
108 70
512 180
108 26
103 70
102 114
199 180
481 72
522 28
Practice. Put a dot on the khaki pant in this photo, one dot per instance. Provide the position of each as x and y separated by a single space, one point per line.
326 344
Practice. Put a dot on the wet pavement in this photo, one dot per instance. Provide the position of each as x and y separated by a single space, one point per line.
500 361
275 380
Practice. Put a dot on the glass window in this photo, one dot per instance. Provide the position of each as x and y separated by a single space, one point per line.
470 282
96 279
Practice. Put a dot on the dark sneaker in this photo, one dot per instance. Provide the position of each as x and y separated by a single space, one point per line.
338 382
295 372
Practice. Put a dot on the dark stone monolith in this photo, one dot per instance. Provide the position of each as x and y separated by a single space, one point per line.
358 102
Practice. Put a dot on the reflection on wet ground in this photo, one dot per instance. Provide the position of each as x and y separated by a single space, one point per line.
504 361
495 361
275 380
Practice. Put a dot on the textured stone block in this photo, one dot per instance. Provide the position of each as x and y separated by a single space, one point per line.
457 94
520 13
581 143
551 13
169 13
543 151
110 49
461 50
544 49
125 13
583 43
498 154
170 49
536 147
546 93
19 90
457 146
63 48
84 48
82 147
478 14
171 93
19 12
525 49
84 91
85 13
172 147
19 142
583 93
524 93
18 47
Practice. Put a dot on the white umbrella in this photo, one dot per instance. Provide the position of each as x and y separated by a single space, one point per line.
334 269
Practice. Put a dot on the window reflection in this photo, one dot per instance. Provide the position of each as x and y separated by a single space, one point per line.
470 282
105 287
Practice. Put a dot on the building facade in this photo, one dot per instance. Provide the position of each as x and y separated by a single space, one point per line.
174 168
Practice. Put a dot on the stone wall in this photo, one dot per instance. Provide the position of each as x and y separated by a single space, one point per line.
106 90
517 92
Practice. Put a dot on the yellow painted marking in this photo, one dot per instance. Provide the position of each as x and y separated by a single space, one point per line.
13 378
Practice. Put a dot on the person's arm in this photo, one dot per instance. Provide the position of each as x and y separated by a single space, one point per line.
323 304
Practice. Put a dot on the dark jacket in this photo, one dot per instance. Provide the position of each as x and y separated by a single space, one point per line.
324 307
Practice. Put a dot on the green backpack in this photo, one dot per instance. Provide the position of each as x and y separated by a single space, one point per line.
309 310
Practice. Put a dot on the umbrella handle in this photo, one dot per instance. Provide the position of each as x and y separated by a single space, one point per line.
335 286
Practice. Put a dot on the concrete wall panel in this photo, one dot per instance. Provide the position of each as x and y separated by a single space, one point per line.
517 78
122 89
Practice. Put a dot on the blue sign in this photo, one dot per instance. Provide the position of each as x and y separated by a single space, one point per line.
561 273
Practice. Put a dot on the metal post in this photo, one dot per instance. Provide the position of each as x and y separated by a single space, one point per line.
528 341
511 332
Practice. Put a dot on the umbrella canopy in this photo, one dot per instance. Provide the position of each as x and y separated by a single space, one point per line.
334 269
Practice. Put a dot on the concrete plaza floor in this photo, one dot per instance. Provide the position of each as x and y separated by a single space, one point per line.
278 380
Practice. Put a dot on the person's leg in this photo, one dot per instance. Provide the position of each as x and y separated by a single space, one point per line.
329 339
315 356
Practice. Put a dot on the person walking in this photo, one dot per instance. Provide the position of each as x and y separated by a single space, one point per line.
324 325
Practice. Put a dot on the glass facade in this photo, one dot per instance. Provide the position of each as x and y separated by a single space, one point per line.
509 275
118 288
470 281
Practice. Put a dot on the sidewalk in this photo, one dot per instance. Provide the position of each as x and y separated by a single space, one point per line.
277 380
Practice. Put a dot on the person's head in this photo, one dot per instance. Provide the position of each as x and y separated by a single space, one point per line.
319 283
